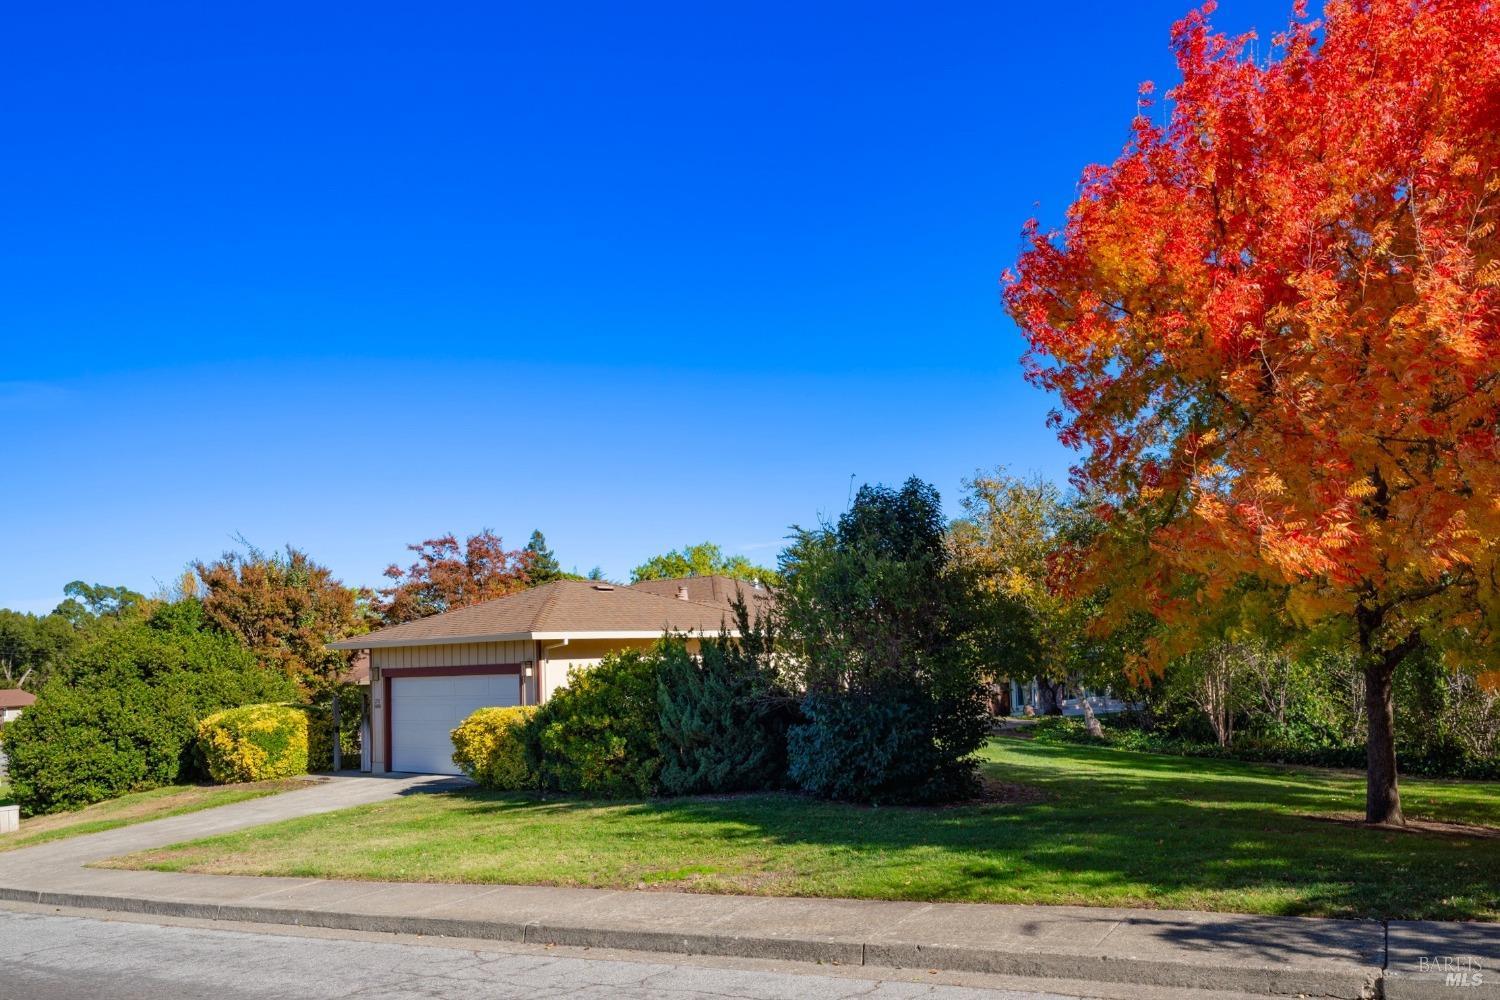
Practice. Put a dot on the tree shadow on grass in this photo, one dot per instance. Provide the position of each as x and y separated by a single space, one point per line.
1124 829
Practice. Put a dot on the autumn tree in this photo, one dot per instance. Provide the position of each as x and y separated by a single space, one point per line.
1005 538
1273 326
449 574
285 608
703 559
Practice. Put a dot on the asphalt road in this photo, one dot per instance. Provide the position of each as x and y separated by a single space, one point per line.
54 957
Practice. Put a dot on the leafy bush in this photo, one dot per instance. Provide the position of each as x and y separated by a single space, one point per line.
600 735
490 747
254 743
122 714
723 716
889 746
1260 751
880 622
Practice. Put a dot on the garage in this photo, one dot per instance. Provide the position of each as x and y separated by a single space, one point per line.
424 710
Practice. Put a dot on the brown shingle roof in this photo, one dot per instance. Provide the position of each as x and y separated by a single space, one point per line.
719 591
564 606
16 698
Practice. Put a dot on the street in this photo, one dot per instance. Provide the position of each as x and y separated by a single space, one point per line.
49 957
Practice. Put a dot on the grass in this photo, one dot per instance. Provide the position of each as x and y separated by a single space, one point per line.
1112 827
6 799
135 807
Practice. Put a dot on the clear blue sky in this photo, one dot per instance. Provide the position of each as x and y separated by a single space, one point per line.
637 275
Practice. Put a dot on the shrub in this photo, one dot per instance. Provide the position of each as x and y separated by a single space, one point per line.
490 747
896 745
723 716
254 743
122 714
600 734
880 623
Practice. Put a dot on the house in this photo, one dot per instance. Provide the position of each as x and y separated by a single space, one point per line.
12 702
426 676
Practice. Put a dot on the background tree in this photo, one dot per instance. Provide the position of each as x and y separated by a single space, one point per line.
543 566
448 575
86 602
32 647
1005 539
1273 325
1012 531
703 559
285 608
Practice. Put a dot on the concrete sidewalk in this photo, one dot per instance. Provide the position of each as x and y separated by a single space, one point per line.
1272 955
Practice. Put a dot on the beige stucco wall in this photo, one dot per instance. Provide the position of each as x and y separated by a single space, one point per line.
579 654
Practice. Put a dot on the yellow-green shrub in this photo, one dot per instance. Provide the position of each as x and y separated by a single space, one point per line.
490 747
254 743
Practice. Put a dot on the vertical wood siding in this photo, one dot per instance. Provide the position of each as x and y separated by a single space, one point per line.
454 654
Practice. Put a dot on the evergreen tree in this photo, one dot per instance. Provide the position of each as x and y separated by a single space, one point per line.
544 567
723 714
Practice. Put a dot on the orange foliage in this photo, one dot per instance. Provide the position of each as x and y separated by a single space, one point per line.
449 575
1273 325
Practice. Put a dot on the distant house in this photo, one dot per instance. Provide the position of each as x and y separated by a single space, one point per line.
12 702
426 676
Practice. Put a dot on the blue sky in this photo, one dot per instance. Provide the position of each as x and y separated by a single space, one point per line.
637 275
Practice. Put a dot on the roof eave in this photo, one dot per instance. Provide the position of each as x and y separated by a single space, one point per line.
362 643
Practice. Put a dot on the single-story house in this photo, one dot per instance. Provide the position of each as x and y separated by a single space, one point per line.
426 676
13 701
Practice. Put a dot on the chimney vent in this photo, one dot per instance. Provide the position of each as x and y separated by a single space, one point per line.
682 592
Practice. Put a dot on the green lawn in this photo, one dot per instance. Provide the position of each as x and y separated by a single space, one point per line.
1112 828
5 796
136 807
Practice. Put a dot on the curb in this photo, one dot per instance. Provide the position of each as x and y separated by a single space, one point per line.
1189 972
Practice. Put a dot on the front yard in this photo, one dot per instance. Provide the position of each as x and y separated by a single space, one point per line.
136 807
1111 827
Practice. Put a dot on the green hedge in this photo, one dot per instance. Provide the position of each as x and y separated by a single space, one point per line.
122 714
722 717
490 747
255 743
600 734
895 745
1260 751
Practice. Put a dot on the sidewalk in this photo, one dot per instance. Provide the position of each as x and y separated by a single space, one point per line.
1272 955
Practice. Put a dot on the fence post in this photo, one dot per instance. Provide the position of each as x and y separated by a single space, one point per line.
338 751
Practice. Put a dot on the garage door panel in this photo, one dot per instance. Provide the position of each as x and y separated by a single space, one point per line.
425 710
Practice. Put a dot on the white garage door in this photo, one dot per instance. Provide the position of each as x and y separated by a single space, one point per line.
425 710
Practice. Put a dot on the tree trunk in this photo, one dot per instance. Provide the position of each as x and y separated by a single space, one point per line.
1382 796
1090 720
1050 696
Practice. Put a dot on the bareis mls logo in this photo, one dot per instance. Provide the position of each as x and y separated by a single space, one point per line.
1464 970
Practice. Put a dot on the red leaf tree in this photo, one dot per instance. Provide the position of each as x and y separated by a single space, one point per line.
448 574
1273 325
